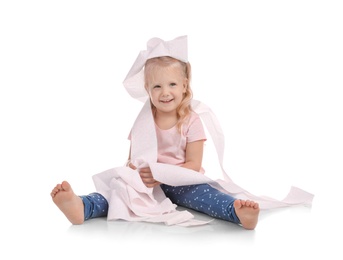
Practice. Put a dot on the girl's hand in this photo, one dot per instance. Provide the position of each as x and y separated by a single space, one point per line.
132 166
147 177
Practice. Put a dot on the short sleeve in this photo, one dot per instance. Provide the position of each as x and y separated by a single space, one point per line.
195 130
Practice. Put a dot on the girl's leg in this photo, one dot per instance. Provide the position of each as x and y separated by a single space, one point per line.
77 209
95 205
203 198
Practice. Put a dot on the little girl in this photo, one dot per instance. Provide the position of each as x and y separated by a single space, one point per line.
180 138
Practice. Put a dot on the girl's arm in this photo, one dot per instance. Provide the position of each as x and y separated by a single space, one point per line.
194 154
145 174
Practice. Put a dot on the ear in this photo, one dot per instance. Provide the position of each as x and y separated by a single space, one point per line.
185 85
146 88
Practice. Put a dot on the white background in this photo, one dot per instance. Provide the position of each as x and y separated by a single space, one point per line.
270 70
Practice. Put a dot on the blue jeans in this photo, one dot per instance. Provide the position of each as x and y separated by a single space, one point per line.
202 198
95 205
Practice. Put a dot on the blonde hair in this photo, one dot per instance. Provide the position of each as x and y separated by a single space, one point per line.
184 109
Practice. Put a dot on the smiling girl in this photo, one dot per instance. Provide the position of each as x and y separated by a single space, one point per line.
180 138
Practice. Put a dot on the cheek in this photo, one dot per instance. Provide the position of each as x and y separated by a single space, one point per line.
149 91
153 95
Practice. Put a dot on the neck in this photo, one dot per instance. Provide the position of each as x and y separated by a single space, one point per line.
165 120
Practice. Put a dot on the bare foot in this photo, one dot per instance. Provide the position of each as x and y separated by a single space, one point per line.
247 211
68 202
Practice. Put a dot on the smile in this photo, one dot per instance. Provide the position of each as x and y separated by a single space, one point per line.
166 101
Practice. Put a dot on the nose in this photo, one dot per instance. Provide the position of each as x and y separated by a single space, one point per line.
165 91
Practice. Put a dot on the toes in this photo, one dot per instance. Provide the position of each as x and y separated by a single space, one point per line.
57 189
246 203
65 186
54 192
256 206
238 204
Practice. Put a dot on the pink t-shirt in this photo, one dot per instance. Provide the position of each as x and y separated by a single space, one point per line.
172 144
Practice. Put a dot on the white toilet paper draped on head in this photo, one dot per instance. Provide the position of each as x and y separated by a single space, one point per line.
134 81
128 197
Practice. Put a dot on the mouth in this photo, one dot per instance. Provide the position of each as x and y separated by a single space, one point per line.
166 101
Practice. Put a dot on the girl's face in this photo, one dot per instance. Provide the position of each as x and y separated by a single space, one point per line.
166 87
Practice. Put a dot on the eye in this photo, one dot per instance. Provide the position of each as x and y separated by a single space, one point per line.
156 86
172 84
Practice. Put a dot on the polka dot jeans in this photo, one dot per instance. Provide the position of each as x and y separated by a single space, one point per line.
95 205
203 198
